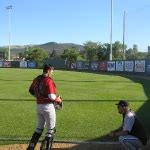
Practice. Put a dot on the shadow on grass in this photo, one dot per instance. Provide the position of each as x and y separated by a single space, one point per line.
75 81
143 112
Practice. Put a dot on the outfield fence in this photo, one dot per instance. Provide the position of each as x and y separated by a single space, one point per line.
140 67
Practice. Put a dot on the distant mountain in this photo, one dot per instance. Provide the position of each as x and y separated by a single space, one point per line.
58 47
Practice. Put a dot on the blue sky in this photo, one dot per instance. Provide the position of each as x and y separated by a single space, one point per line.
74 21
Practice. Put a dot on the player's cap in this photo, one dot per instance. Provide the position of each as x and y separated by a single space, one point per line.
47 67
123 103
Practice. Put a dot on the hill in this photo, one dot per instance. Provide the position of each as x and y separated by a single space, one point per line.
50 46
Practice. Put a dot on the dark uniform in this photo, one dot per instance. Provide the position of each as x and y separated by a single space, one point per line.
136 136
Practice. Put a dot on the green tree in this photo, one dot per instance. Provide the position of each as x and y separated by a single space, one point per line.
117 50
103 52
142 55
132 53
129 54
36 54
3 53
70 54
53 54
148 56
90 50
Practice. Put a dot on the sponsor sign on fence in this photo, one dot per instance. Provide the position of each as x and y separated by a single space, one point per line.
94 65
111 66
86 65
139 66
129 65
119 65
102 66
31 64
23 64
73 65
7 64
79 65
15 64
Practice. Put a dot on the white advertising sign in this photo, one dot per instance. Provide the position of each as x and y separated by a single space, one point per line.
111 66
23 64
119 65
139 66
129 66
79 65
94 65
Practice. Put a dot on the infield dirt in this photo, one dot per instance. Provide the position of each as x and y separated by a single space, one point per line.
72 146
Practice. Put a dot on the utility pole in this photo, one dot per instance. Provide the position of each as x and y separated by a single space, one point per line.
9 8
110 55
124 24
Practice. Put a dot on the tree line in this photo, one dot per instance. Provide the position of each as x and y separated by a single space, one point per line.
92 51
96 51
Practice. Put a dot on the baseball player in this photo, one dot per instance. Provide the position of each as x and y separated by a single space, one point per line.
132 134
44 90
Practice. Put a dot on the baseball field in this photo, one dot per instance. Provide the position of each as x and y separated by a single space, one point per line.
89 112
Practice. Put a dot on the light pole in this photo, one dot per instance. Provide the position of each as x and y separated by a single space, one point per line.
124 23
9 8
110 54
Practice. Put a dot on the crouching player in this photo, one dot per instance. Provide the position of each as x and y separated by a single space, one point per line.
132 134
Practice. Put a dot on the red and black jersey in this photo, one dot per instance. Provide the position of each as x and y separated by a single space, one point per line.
41 87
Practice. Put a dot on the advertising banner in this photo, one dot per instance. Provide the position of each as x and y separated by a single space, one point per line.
119 65
86 65
139 66
73 65
102 66
1 64
148 66
111 66
23 64
129 65
79 65
15 64
31 64
94 65
7 64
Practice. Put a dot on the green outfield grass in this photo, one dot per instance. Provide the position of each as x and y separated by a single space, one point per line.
89 111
